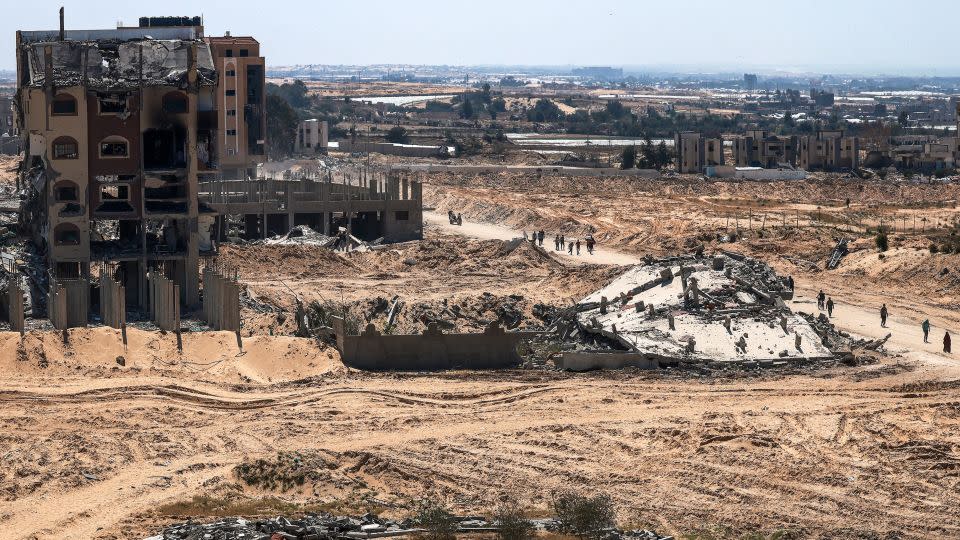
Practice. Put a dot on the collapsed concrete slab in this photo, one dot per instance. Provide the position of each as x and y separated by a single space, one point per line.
728 308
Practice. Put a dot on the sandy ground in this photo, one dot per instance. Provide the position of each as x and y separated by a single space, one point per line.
96 448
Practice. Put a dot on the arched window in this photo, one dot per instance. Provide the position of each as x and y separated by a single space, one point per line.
63 105
66 191
65 148
174 103
66 234
114 147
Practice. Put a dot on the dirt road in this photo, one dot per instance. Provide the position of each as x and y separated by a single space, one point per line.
490 231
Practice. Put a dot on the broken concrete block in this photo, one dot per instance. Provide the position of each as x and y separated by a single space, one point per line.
718 263
640 306
671 321
797 340
603 305
783 323
691 345
666 274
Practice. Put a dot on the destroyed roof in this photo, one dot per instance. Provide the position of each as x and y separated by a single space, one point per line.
116 65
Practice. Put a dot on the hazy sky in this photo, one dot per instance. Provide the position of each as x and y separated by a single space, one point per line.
891 36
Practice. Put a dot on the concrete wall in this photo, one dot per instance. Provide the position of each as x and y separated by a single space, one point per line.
544 170
392 149
727 171
432 350
586 361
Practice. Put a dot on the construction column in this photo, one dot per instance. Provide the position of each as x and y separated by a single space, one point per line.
191 285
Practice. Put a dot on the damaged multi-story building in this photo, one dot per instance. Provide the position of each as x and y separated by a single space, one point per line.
829 150
759 148
696 152
119 126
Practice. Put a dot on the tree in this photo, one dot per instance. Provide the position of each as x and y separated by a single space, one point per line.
582 516
883 243
295 93
485 93
466 111
438 522
628 158
282 123
398 134
664 157
545 111
511 522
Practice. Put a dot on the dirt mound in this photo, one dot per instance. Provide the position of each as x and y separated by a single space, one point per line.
207 356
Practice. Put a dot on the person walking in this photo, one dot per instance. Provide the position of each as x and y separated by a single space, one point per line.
883 316
578 246
563 243
946 342
926 330
590 242
570 248
540 237
790 282
830 307
556 242
821 298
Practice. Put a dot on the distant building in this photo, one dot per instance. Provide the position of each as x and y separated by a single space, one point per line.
695 152
758 148
750 81
829 151
9 141
312 136
821 98
599 73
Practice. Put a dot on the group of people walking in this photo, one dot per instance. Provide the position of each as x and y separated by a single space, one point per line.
826 303
560 242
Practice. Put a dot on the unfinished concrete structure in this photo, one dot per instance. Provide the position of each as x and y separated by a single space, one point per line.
696 152
365 204
759 148
119 125
313 136
829 151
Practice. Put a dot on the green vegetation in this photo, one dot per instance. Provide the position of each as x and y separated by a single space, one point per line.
285 471
883 243
398 134
628 158
512 522
582 516
282 123
439 523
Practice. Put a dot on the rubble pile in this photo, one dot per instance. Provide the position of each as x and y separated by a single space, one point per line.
302 235
695 309
328 527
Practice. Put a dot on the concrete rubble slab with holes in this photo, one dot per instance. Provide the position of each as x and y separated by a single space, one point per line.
724 308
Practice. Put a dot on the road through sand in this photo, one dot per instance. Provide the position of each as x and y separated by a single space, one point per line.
490 231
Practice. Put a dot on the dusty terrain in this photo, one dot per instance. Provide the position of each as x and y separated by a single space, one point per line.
96 447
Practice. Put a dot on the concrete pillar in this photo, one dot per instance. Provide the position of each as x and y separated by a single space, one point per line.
191 281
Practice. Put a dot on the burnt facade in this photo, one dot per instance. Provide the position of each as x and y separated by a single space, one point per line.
118 128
